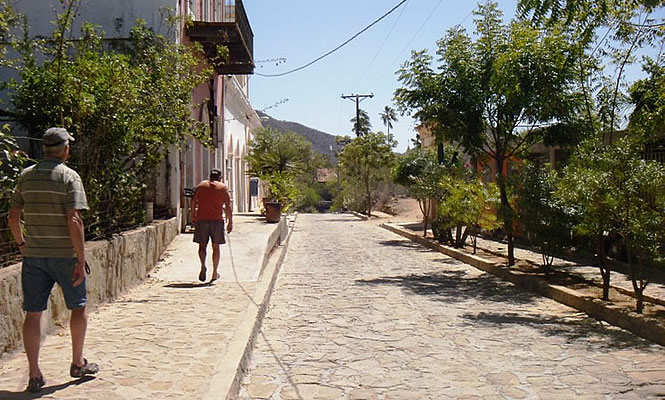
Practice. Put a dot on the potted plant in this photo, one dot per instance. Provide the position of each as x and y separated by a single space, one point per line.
276 159
281 194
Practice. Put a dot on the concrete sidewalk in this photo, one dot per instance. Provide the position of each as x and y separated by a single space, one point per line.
171 337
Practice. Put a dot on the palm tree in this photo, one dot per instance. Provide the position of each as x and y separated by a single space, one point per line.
364 127
388 116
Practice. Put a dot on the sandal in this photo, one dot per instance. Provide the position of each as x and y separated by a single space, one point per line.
202 274
35 384
86 369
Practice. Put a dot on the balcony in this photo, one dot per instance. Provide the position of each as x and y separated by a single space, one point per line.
223 22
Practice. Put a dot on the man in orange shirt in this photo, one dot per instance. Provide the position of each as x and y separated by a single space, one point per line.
210 197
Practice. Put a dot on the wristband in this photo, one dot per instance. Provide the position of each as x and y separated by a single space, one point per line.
20 244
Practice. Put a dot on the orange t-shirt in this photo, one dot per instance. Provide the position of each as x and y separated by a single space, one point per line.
209 198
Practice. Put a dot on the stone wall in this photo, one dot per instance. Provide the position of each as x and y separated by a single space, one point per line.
116 265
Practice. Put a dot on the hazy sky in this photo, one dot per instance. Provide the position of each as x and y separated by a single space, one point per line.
302 30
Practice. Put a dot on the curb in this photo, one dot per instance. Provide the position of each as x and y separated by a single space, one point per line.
225 381
619 289
645 327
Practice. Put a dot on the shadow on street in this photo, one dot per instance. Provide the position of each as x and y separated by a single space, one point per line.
46 390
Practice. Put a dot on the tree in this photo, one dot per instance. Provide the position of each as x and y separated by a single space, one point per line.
544 218
273 151
368 160
466 207
615 193
388 116
419 171
124 108
492 94
606 31
364 126
648 97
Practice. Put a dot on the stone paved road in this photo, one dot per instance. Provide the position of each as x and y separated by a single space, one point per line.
360 313
161 340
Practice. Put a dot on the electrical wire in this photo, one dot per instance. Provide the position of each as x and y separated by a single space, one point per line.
336 48
410 41
378 51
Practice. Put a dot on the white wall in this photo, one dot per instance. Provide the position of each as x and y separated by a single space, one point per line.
116 17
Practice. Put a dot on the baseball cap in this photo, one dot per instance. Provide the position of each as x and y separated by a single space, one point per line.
56 136
215 174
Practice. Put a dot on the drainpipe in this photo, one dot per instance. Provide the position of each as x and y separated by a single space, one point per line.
222 130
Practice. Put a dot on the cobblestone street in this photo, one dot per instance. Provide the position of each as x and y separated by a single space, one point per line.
361 313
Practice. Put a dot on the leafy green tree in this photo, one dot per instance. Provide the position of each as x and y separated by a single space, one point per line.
648 97
466 207
388 116
367 160
363 125
492 94
8 20
544 218
125 110
419 171
615 193
274 151
608 34
12 160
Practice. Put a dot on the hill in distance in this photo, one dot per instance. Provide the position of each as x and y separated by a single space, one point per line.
322 142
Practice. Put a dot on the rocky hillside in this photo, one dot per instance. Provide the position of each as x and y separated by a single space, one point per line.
321 142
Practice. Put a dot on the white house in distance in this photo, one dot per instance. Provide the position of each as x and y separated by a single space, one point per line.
228 111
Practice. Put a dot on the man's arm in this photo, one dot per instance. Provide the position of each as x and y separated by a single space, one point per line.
76 234
14 221
228 210
193 206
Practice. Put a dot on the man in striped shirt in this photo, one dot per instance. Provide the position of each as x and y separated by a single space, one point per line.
50 197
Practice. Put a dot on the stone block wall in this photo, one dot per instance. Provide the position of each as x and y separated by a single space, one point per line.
116 265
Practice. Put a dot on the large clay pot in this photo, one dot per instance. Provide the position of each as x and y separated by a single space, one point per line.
273 211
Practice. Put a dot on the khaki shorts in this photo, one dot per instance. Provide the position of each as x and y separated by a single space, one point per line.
209 229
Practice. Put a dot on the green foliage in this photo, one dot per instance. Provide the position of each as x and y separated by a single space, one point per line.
363 126
273 151
420 173
12 160
310 200
281 188
8 20
467 206
366 161
544 219
509 76
124 109
612 190
648 96
388 116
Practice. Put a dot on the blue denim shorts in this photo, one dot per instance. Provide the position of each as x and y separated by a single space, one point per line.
38 276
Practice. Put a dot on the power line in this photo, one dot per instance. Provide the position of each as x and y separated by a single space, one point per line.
336 48
382 44
412 39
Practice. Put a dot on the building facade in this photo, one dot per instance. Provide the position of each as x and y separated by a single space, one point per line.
226 107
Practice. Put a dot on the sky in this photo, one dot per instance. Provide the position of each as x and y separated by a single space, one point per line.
300 31
303 30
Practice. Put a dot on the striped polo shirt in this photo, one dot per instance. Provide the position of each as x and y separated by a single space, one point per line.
45 191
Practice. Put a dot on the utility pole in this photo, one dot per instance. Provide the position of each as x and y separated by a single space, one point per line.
358 98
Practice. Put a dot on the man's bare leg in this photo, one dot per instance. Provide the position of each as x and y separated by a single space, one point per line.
78 325
32 336
215 261
202 257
